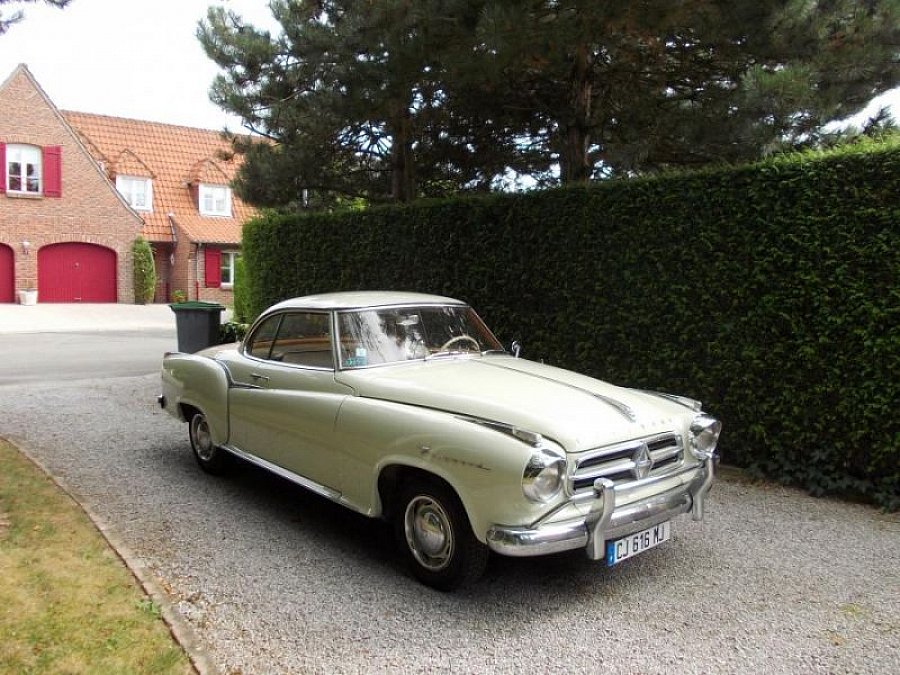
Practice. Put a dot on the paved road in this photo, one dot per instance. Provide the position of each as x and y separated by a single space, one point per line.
55 357
275 580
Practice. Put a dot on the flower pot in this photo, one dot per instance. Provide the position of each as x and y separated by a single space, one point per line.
28 297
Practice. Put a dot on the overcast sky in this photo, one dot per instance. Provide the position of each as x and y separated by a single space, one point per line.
125 58
132 58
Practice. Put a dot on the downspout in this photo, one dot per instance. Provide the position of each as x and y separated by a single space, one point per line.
171 217
171 274
197 271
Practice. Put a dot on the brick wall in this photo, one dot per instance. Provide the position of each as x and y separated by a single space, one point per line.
89 210
224 296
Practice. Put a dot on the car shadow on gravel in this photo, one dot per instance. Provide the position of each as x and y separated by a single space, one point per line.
304 511
358 540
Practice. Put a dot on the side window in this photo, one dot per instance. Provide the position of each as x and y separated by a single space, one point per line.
226 268
304 339
30 170
23 169
260 343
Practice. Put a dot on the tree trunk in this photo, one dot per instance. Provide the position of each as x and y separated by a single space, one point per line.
402 162
575 166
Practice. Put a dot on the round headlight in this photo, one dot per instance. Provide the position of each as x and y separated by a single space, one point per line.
705 431
543 476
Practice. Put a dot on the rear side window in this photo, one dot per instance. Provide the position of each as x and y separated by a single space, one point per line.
260 343
304 339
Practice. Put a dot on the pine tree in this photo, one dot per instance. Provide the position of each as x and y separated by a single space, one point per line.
400 99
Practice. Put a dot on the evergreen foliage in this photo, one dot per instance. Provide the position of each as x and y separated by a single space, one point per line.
399 99
240 290
144 271
771 292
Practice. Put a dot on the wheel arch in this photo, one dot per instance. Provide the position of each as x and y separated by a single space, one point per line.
393 476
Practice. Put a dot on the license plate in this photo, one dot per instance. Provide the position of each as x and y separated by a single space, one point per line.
618 550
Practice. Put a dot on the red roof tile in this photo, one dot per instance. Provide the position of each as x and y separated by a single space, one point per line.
175 158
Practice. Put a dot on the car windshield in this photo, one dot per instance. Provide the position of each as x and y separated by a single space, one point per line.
371 337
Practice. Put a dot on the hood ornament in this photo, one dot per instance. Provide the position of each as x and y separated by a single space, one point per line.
626 410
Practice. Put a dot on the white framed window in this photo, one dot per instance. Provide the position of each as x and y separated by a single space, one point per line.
215 200
227 268
23 169
137 191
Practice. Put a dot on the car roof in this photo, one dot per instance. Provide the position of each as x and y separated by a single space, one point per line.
362 299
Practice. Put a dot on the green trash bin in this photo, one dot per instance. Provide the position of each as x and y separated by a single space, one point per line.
197 324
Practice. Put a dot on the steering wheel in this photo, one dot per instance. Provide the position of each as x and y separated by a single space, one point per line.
459 338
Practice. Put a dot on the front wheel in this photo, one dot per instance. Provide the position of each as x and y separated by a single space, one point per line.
437 541
211 458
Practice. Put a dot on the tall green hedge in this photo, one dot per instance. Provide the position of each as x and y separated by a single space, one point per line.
770 292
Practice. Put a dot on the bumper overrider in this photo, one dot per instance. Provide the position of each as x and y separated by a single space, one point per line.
605 521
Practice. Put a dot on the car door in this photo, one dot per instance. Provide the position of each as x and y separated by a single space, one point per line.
284 398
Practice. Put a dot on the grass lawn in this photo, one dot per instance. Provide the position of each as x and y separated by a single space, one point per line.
67 603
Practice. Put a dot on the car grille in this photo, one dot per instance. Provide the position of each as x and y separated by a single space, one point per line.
621 463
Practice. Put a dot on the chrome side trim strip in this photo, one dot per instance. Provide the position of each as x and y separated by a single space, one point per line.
689 403
312 486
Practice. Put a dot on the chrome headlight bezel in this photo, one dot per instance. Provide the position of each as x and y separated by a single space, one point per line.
544 476
705 430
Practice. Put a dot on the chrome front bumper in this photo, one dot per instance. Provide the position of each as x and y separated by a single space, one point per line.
605 521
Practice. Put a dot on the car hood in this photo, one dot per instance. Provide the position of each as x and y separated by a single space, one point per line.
576 411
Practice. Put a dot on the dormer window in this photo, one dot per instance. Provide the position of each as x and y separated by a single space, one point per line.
138 192
215 200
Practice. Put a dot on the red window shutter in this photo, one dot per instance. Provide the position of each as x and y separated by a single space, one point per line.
213 268
2 167
52 171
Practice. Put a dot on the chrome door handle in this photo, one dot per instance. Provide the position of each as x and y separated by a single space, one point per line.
259 378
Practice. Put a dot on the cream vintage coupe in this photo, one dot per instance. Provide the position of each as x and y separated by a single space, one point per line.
406 407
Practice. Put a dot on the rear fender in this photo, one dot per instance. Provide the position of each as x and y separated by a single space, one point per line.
192 381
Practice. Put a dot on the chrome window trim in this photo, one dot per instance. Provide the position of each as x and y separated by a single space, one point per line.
242 349
374 308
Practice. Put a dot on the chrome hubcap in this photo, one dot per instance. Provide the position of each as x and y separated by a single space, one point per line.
428 532
203 444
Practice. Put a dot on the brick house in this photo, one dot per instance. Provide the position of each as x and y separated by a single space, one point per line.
78 188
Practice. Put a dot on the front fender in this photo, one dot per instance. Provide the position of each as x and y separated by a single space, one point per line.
483 467
189 380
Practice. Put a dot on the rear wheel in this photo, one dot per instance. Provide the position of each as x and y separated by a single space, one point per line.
211 458
437 541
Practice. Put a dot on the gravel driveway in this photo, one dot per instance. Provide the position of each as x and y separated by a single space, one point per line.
275 580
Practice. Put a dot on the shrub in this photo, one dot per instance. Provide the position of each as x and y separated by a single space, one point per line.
144 271
240 291
232 331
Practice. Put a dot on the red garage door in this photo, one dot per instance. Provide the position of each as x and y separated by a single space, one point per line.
7 274
76 272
